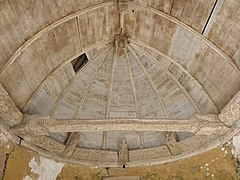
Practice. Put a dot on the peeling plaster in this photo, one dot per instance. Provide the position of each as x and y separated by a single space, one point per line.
27 178
46 169
236 145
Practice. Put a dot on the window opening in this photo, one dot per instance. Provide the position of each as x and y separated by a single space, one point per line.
79 62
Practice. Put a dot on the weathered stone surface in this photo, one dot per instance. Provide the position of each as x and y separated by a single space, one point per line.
46 143
172 145
120 44
9 113
158 83
39 125
123 154
96 156
231 112
71 144
223 28
149 153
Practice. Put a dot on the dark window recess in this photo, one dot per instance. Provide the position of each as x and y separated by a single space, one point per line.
79 62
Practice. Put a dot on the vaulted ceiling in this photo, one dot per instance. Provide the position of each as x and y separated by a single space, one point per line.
181 58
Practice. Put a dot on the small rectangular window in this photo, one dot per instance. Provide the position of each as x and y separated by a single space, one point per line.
79 62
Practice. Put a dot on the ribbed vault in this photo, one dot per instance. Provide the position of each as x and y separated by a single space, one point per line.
162 88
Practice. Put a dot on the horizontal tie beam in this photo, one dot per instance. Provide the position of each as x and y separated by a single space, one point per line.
38 125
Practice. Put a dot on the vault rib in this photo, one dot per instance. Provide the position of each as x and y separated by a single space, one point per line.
189 97
75 136
105 4
110 86
78 30
47 29
141 139
33 96
109 97
133 87
189 29
88 88
138 115
149 79
135 44
104 140
66 89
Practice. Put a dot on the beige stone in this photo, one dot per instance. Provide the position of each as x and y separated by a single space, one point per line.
161 82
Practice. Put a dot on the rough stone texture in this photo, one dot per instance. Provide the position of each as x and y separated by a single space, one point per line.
9 113
231 112
40 41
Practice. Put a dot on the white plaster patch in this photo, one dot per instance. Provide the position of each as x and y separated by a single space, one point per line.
27 178
47 169
236 144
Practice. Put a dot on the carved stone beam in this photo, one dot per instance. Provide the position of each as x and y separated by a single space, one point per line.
231 112
171 142
45 143
35 125
123 154
9 113
38 125
213 127
71 144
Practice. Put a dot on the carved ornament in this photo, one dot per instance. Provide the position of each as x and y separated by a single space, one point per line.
71 144
9 113
123 154
120 44
32 124
231 112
